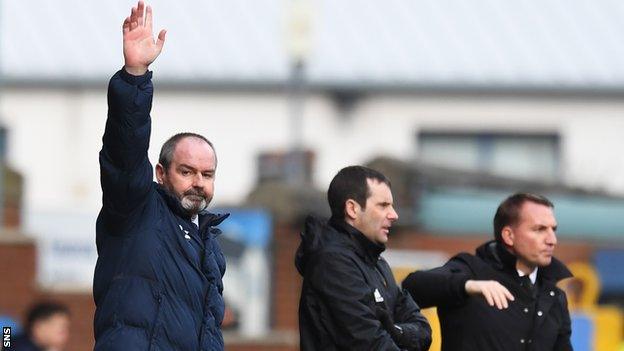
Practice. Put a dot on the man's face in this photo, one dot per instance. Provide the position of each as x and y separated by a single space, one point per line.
375 220
191 174
533 238
52 333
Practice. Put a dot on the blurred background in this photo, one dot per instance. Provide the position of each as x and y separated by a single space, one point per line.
460 103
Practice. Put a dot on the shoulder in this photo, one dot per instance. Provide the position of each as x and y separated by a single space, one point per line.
555 271
331 261
332 245
149 212
23 343
333 271
464 260
336 254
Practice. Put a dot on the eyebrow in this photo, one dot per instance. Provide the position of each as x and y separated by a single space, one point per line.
183 165
186 166
554 227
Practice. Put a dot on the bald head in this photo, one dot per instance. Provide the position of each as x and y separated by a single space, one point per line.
168 148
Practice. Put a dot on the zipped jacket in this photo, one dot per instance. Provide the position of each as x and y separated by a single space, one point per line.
347 288
158 279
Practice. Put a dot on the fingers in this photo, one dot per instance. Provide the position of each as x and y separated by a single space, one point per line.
133 18
140 13
494 292
508 294
488 297
148 18
126 25
139 16
499 299
500 295
492 296
161 39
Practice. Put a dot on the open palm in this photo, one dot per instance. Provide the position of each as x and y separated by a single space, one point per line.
139 47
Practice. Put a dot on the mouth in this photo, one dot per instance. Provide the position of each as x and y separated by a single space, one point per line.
194 202
195 198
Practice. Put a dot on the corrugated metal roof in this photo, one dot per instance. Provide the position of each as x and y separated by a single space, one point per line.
472 43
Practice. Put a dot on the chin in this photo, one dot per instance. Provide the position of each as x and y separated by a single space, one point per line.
545 262
193 207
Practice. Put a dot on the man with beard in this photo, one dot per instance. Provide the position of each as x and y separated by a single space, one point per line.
349 299
158 279
505 297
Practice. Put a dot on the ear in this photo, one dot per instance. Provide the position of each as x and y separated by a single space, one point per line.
160 173
507 235
352 208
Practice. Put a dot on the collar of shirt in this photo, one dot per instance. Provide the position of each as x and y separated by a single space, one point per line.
532 275
195 220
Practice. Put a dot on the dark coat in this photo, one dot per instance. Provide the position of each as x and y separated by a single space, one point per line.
23 343
338 310
157 283
536 323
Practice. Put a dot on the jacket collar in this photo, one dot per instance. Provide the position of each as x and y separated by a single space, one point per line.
206 219
502 259
209 219
362 245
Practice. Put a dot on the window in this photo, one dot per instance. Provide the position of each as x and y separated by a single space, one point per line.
525 156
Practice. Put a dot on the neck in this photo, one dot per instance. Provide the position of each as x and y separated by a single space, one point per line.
524 268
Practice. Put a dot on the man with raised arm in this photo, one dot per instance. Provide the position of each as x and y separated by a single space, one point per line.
158 280
505 297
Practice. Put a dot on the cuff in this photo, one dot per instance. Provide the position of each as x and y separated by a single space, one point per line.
135 80
458 284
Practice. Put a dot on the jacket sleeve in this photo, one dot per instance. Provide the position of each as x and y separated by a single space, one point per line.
349 298
125 170
442 286
563 342
416 329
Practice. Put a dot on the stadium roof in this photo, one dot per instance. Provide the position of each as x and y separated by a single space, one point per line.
533 44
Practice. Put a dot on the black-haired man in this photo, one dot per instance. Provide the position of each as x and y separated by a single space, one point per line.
47 328
504 297
349 299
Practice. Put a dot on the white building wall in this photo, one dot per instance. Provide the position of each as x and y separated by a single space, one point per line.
55 136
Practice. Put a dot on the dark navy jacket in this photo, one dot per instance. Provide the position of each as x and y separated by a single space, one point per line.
535 321
23 343
157 283
345 283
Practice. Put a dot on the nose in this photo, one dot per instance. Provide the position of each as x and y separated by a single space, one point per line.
392 215
551 238
198 180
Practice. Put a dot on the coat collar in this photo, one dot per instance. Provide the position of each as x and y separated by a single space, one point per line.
362 245
502 259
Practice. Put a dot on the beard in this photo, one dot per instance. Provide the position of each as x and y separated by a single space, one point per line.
193 200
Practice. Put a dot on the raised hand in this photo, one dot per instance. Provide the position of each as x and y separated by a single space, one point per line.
494 292
139 47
